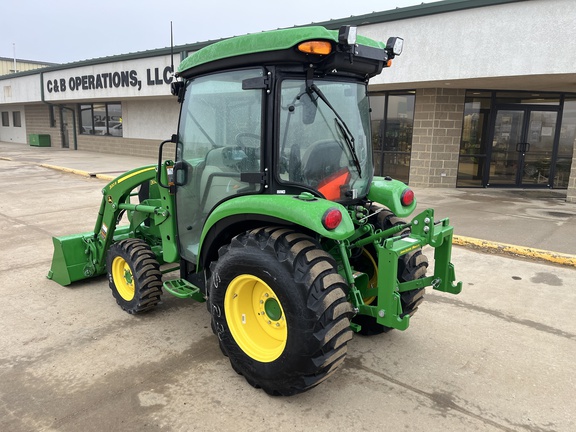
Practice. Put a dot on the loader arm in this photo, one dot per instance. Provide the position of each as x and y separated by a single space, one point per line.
81 256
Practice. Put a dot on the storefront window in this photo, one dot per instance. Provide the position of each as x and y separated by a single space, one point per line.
392 124
101 119
566 144
527 98
474 140
509 138
16 119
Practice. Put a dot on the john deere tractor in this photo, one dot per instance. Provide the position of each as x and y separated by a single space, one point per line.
270 209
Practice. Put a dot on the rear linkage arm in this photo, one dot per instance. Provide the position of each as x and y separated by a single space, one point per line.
423 230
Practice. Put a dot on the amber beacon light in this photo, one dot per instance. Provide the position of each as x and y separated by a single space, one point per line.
315 47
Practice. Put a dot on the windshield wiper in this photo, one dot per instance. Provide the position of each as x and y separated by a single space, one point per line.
343 128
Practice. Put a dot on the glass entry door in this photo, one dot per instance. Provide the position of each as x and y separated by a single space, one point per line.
522 146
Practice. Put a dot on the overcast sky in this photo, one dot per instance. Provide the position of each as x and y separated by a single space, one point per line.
62 31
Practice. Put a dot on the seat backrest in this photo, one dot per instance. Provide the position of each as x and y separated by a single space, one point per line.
218 179
322 159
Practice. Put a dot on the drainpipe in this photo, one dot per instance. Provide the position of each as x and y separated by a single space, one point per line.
74 134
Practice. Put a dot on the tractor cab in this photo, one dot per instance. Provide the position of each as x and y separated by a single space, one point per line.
289 117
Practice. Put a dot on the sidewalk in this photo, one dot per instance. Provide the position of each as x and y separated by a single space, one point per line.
524 222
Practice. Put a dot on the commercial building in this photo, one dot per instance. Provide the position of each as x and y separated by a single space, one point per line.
484 95
14 65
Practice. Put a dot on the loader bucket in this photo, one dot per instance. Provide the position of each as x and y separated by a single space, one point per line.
70 259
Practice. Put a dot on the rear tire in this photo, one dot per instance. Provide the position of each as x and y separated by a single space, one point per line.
134 275
411 266
279 309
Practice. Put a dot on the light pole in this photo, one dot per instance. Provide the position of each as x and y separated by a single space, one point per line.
14 48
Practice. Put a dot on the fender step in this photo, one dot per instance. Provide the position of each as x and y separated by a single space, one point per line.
181 288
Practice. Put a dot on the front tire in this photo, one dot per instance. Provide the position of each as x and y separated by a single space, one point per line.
134 275
279 309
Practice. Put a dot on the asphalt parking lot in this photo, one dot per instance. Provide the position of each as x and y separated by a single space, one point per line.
498 357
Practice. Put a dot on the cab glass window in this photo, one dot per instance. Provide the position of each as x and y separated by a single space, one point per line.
323 138
219 139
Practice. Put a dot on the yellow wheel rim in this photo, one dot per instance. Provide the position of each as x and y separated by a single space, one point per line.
255 318
123 278
373 282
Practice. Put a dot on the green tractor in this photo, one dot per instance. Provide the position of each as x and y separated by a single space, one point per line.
270 209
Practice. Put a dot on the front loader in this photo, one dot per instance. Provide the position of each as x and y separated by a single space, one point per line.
270 209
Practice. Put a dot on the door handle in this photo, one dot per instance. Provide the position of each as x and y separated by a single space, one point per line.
522 147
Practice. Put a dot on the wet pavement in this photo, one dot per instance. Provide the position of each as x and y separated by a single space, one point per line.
527 218
497 357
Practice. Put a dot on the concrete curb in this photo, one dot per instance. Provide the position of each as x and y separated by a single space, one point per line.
83 173
517 251
468 242
68 170
106 177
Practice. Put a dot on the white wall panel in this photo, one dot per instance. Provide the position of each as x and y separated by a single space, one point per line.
150 119
534 37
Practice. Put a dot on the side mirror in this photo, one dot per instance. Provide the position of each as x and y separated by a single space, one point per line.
177 88
180 173
309 109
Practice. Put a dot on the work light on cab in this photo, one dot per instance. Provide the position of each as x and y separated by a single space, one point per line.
315 47
394 46
331 218
347 35
407 197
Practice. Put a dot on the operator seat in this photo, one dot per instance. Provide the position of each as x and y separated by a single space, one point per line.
322 159
221 176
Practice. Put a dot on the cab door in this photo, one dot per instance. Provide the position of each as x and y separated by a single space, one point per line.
219 139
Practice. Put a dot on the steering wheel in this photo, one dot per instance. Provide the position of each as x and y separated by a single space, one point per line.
248 140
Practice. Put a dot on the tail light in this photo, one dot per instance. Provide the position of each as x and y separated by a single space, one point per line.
331 219
407 197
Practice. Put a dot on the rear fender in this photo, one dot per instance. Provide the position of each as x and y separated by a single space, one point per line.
290 209
388 192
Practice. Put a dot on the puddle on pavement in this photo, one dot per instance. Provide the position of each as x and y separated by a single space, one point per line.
546 279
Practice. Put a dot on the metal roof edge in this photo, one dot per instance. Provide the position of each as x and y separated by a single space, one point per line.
113 58
424 9
35 62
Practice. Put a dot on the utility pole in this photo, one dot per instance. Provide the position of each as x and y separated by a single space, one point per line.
14 47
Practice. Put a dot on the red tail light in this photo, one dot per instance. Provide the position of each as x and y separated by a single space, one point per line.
407 197
331 218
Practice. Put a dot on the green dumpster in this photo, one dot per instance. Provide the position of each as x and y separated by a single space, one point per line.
39 140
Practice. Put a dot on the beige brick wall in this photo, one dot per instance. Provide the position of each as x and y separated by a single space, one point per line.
120 146
436 137
38 122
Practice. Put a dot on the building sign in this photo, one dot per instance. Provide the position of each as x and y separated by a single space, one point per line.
110 80
140 77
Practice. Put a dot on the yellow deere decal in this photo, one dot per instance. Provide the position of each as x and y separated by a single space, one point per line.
120 180
410 249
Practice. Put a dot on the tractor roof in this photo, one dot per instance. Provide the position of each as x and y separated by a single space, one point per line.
270 47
